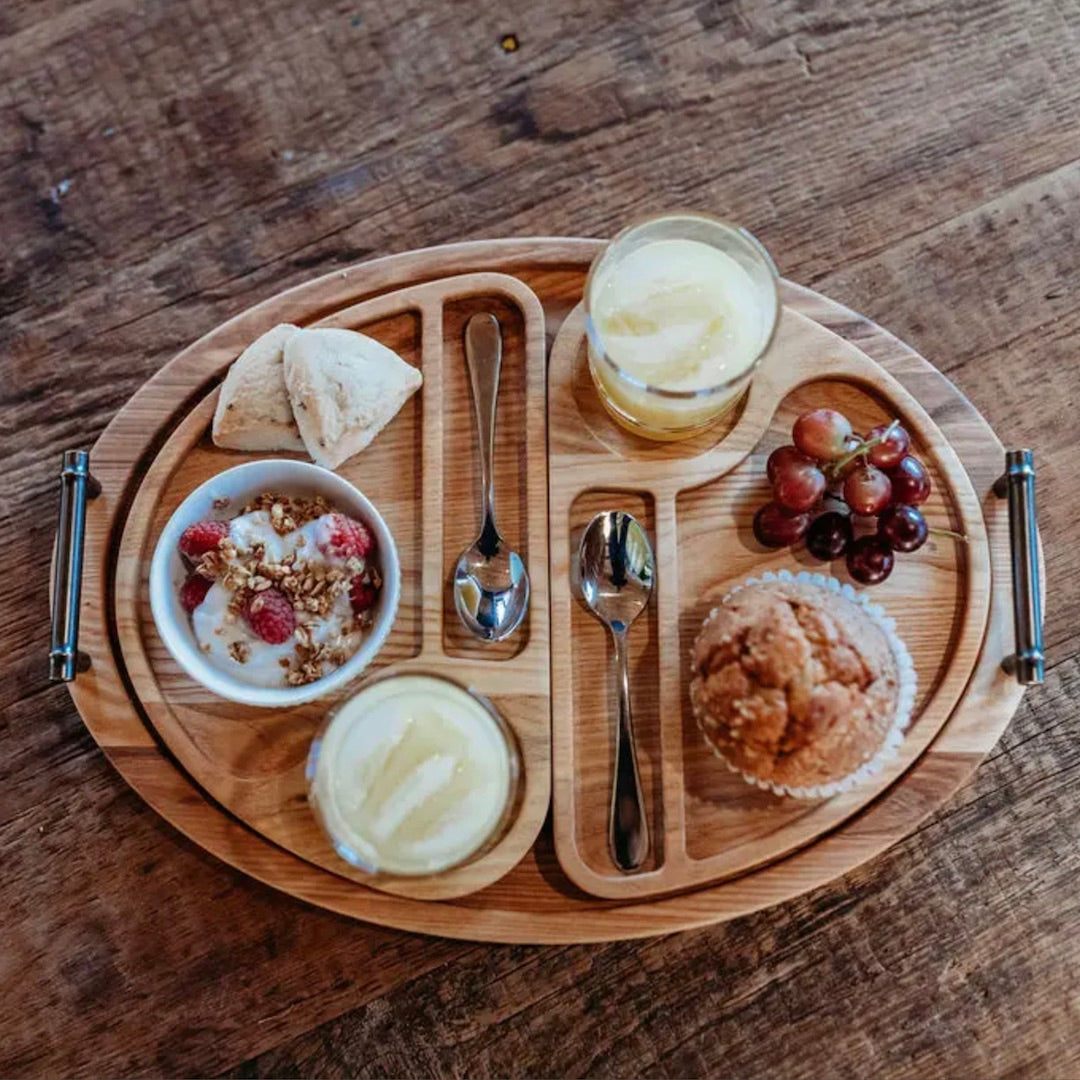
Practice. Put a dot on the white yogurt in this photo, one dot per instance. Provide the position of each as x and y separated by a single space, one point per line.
217 630
310 541
413 775
247 530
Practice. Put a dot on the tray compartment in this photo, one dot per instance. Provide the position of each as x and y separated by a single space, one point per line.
595 696
707 823
926 593
421 474
461 482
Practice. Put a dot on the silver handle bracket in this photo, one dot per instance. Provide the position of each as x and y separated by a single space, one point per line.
77 487
1017 484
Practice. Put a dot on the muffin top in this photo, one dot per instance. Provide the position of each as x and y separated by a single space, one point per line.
794 683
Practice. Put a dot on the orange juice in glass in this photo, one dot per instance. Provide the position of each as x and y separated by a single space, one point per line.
679 310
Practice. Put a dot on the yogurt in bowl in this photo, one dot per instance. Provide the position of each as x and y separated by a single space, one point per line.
274 583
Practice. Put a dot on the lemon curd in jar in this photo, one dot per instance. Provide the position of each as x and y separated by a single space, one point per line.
413 775
679 310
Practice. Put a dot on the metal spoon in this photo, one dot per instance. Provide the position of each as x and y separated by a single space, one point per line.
491 585
616 563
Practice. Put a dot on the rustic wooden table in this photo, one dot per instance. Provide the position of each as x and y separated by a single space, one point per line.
163 166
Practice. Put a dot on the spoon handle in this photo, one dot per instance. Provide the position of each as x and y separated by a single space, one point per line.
483 356
628 833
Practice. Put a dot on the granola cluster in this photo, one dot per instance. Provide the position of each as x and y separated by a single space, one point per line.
288 512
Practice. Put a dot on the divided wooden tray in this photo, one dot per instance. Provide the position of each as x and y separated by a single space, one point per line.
419 475
231 778
698 501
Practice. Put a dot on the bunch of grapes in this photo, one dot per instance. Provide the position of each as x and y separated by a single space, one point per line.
831 474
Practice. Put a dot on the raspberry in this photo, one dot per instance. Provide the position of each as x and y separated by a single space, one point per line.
193 592
363 595
347 538
270 616
196 540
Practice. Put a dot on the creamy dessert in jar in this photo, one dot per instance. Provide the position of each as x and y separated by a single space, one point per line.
412 776
679 310
283 592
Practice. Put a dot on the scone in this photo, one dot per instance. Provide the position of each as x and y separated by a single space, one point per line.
253 411
344 388
797 686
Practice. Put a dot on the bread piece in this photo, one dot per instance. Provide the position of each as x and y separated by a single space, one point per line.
253 411
344 388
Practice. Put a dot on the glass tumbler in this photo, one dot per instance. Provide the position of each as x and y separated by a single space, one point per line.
679 310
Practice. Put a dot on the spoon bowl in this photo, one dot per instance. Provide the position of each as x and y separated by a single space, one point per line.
616 568
491 593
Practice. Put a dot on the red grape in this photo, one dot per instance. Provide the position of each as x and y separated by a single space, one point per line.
903 527
869 560
888 453
798 485
823 434
910 482
867 490
828 536
774 527
782 457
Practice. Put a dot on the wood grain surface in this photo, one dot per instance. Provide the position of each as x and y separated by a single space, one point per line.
165 166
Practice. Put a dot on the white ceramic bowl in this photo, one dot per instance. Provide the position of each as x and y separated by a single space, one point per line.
241 485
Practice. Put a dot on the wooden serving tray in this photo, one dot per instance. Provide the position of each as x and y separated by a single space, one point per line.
229 778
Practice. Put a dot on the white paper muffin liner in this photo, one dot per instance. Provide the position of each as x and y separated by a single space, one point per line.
905 698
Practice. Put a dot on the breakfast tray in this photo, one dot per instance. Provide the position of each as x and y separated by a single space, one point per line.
231 777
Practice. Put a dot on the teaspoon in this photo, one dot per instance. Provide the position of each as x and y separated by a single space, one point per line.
491 585
616 564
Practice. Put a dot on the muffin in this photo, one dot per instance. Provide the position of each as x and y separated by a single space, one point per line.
800 685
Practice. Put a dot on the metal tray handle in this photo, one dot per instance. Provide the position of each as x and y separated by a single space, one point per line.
1018 485
76 486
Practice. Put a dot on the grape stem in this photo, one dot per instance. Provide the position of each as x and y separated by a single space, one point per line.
962 537
868 444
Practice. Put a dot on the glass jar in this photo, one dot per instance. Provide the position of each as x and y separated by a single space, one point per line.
679 310
414 775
